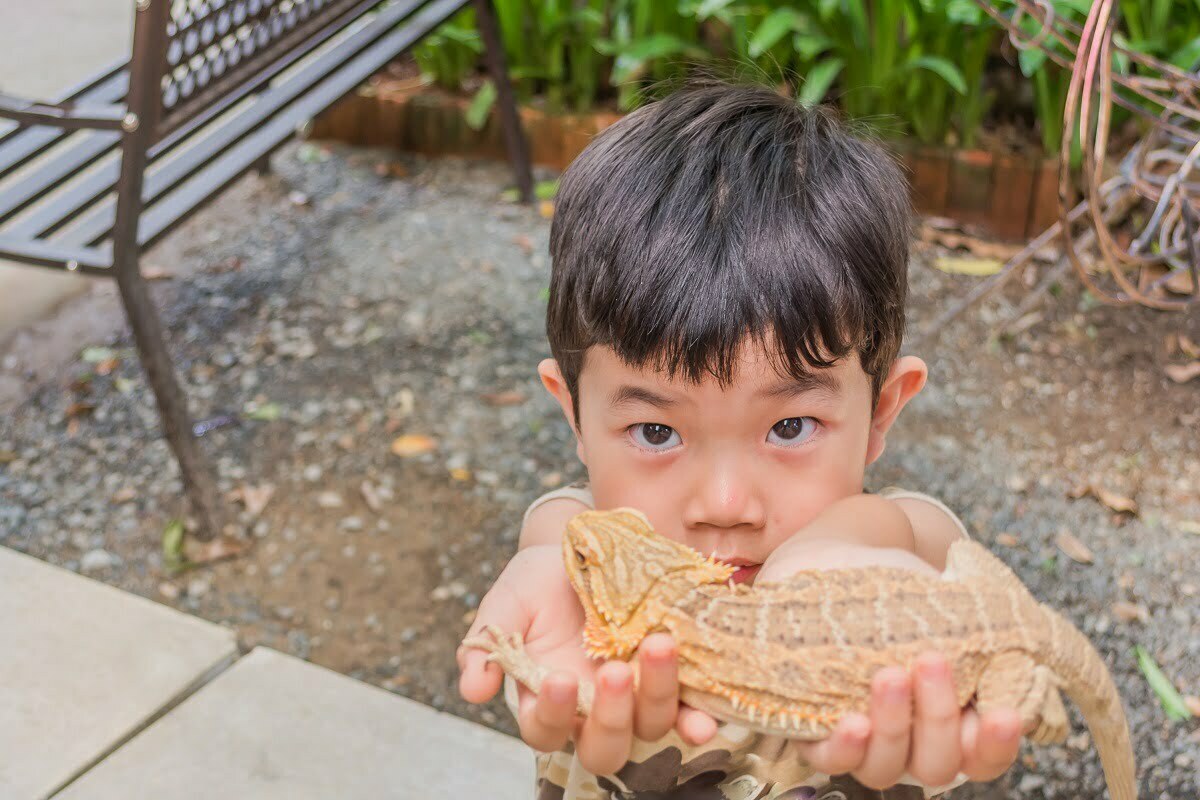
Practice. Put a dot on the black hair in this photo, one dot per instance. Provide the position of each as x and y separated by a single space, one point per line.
726 210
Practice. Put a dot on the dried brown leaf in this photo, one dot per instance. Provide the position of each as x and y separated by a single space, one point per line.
155 273
1130 612
546 209
79 408
524 242
107 366
413 444
977 267
1180 282
1075 549
1188 347
255 498
1182 373
371 497
7 456
504 398
1193 704
218 549
124 495
1080 490
1007 539
977 247
1116 502
460 474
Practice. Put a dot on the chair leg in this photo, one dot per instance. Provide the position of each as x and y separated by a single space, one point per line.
510 120
198 481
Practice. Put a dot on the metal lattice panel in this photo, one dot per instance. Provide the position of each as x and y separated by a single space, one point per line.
216 46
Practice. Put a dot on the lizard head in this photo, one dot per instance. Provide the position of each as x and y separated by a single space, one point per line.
626 576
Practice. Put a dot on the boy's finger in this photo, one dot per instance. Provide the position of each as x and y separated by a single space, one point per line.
843 751
695 726
657 702
891 729
937 737
607 734
547 719
479 679
990 743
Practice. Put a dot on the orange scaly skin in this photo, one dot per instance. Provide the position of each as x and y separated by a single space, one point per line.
790 658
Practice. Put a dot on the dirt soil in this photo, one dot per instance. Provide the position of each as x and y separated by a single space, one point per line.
356 298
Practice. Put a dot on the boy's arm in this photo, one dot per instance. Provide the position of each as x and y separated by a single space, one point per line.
548 521
933 529
906 523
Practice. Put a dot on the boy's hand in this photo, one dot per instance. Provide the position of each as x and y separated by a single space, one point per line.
931 739
533 597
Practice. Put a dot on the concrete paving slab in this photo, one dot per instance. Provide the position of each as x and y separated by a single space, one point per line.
273 726
83 667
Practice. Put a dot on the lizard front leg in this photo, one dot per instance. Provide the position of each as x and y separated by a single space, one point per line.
1015 680
508 650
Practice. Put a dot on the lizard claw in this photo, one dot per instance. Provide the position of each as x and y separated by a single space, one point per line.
498 643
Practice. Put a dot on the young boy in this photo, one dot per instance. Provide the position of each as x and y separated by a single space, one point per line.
726 311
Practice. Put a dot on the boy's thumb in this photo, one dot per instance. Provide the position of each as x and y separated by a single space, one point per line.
480 679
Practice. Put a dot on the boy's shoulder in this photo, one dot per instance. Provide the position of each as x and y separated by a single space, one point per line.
579 491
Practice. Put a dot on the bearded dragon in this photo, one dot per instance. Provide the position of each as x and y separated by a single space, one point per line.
791 657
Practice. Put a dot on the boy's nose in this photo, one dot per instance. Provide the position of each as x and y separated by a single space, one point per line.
726 498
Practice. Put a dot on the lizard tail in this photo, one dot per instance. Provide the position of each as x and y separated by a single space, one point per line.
1071 656
1087 681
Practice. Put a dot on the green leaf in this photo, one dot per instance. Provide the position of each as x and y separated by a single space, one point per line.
481 105
1031 60
810 45
172 546
943 68
710 7
1171 701
94 355
633 56
542 190
267 412
819 79
1187 56
776 25
964 12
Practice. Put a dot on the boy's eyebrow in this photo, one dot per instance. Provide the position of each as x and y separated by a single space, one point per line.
818 381
627 395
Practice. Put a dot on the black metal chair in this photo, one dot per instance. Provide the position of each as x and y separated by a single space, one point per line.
211 89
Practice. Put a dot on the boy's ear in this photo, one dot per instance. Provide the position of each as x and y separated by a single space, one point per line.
552 379
906 378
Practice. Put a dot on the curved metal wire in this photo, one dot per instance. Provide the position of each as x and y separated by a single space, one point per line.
1157 266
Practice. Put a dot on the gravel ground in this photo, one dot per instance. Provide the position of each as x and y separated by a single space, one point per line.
355 297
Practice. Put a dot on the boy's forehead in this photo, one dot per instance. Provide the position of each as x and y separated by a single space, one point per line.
752 367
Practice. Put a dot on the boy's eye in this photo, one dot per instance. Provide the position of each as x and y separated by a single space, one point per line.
653 435
792 430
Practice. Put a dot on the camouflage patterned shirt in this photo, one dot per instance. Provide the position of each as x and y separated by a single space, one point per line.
736 764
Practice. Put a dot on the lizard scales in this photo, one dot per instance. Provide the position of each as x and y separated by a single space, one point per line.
791 657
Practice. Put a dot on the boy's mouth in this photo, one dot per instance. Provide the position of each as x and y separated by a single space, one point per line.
746 570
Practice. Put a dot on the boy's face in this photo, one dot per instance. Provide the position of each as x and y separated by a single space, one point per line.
730 473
